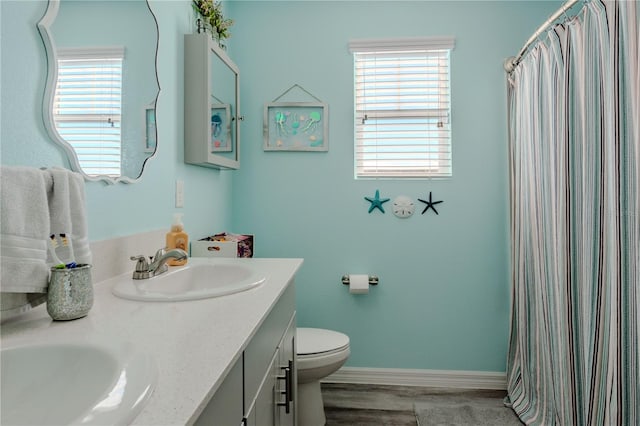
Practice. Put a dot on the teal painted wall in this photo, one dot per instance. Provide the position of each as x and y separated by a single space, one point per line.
443 298
113 210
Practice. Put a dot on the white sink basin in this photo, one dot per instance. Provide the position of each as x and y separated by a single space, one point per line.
69 383
201 278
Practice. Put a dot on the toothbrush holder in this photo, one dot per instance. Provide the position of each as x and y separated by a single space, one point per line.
70 293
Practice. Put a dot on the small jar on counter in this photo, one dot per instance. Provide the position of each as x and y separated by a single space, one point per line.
70 293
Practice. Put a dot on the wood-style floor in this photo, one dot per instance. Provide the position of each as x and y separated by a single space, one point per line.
372 405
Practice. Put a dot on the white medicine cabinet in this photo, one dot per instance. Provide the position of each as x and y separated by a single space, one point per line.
211 104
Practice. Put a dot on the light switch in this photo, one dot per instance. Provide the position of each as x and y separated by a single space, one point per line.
179 193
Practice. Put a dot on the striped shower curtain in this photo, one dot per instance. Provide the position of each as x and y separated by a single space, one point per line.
574 130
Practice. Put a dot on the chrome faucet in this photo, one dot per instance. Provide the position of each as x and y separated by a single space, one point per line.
158 265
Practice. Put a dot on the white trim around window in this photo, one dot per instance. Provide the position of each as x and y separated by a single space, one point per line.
402 107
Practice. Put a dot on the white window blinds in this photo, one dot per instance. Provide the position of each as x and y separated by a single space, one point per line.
87 106
402 108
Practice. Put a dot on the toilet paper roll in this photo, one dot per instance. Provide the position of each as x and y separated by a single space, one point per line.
358 284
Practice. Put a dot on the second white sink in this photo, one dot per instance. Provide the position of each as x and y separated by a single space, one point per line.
74 383
201 278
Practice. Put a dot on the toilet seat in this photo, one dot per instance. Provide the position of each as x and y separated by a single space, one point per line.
313 342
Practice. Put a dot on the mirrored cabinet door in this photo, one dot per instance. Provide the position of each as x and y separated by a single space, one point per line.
211 110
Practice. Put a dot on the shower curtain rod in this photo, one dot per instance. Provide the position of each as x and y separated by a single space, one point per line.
510 63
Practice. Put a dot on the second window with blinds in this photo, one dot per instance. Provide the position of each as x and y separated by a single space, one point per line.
402 107
87 107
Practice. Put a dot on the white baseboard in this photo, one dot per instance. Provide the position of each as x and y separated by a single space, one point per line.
426 378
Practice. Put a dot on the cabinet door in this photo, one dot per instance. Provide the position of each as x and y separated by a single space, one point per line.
261 411
286 388
265 343
211 104
225 408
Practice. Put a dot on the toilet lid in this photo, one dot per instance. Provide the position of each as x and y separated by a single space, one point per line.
316 340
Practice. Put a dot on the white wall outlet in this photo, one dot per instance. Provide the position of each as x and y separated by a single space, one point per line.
179 193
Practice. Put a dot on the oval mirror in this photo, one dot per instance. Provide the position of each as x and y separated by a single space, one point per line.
102 85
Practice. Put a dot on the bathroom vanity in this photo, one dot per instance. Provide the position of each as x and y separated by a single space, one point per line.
227 360
260 389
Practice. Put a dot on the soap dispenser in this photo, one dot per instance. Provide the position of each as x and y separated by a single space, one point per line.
177 238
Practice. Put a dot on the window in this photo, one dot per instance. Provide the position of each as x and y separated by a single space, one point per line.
402 108
87 107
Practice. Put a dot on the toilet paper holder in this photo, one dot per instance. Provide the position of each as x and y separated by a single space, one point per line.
373 280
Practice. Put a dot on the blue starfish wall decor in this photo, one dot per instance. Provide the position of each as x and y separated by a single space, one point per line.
429 204
376 203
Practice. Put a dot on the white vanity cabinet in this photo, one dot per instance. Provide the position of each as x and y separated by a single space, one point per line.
274 402
260 389
225 408
286 415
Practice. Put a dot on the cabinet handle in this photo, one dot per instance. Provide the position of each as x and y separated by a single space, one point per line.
290 380
287 388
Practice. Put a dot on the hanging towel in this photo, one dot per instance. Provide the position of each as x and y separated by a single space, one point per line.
24 227
67 209
79 226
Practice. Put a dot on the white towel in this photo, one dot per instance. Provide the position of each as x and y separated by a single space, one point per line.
68 211
24 227
79 225
59 202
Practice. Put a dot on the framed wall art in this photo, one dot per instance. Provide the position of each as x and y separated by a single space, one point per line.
220 140
296 126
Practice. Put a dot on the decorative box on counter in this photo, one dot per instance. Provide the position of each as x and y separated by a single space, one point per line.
223 245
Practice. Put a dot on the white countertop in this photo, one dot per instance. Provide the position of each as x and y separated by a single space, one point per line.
194 343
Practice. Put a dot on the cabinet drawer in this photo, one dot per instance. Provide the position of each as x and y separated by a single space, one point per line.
259 353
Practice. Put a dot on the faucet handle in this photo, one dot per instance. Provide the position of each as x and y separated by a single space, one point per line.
142 265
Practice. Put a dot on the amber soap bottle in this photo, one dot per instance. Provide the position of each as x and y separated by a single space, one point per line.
177 238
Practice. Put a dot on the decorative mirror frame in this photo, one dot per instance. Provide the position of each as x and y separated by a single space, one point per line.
44 27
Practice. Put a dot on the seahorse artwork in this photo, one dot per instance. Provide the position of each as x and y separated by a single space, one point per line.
316 142
296 123
312 123
281 119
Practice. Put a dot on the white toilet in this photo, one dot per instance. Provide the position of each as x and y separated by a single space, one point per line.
320 353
